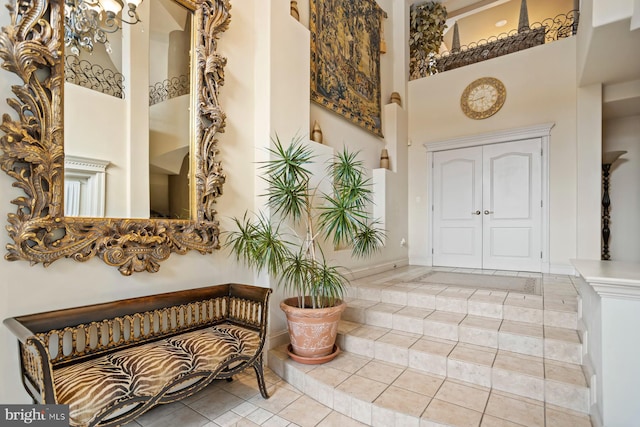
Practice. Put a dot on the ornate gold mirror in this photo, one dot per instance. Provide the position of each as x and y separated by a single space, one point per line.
33 149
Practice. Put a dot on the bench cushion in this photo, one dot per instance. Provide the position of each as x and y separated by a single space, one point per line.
144 371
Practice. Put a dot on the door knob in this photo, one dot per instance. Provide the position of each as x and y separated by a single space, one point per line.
488 212
476 213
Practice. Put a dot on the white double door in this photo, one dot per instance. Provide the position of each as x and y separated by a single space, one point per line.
487 206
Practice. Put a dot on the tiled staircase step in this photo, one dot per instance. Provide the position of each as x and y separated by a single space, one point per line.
565 386
520 337
430 355
410 319
561 318
523 308
356 310
479 330
418 354
505 370
443 324
559 309
518 374
471 363
562 344
454 299
560 303
381 314
528 338
380 393
487 303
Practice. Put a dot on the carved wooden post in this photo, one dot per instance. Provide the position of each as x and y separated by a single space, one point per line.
607 160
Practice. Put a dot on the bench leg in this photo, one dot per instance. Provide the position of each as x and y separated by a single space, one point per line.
257 366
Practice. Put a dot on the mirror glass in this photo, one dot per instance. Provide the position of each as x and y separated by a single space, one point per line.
128 115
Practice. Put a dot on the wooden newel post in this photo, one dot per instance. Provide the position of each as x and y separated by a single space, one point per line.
608 159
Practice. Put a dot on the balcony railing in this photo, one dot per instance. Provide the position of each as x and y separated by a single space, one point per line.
547 31
169 88
93 76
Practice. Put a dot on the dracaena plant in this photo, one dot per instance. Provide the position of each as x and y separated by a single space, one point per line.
287 243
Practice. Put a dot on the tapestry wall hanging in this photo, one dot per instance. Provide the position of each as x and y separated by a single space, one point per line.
345 59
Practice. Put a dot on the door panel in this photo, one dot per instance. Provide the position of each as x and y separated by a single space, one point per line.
510 242
512 194
510 176
458 177
457 194
502 182
458 240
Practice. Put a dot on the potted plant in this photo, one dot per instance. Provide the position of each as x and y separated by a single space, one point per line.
427 22
287 244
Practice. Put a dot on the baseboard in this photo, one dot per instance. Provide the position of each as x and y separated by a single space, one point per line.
589 373
425 262
564 269
595 419
592 380
583 333
379 268
277 339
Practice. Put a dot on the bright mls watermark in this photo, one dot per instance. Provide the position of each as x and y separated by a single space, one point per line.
34 415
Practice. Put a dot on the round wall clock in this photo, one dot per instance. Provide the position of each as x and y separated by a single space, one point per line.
483 98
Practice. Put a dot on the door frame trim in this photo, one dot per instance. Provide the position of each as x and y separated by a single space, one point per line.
542 131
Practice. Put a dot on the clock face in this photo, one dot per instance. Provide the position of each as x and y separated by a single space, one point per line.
483 98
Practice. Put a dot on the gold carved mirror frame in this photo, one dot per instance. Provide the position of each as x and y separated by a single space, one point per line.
33 150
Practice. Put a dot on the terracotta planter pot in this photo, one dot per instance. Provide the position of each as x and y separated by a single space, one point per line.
312 331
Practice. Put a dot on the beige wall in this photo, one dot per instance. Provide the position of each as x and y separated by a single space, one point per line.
589 161
541 88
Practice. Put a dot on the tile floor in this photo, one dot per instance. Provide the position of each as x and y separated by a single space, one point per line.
239 403
433 400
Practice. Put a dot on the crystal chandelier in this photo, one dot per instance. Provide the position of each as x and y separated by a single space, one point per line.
90 21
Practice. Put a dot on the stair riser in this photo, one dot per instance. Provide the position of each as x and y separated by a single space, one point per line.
567 396
561 319
523 314
482 337
485 309
531 346
519 384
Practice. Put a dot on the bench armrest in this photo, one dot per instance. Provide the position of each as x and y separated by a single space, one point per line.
18 329
35 363
249 306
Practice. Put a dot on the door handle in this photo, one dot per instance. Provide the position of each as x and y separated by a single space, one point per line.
476 213
488 212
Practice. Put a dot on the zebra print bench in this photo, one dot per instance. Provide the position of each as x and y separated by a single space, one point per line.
112 362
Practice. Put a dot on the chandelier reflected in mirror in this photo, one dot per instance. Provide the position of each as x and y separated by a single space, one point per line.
90 21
